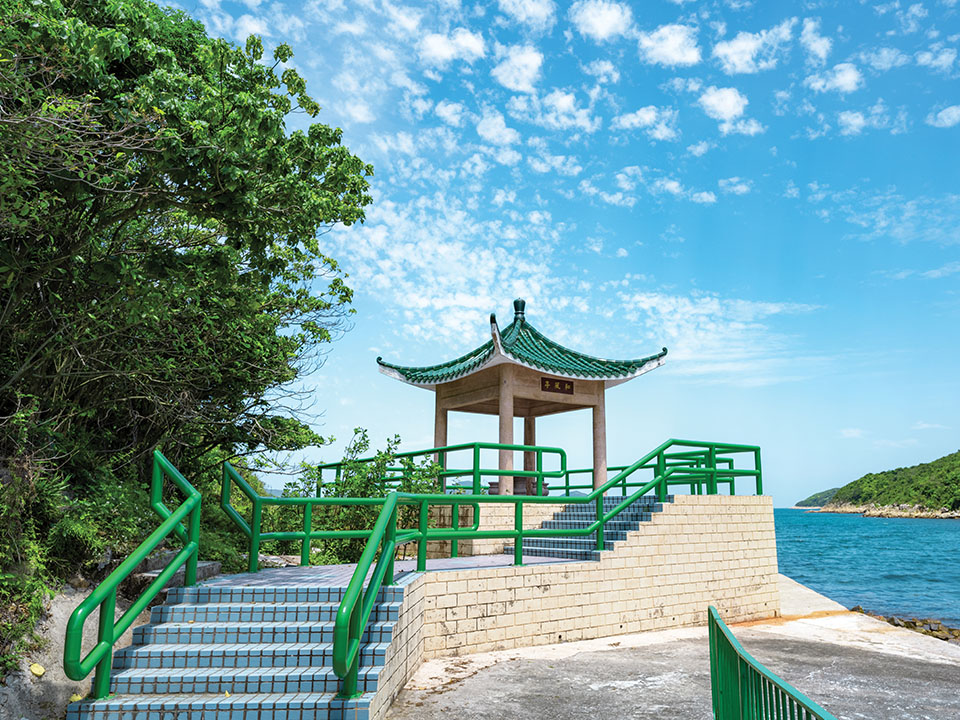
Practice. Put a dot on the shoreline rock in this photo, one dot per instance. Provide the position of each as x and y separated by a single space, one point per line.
891 511
927 626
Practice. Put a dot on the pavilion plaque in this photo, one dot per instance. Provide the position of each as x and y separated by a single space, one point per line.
564 387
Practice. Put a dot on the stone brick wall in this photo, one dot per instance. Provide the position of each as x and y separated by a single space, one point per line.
701 550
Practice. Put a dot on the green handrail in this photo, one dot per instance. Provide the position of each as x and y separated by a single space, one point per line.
349 611
743 688
105 594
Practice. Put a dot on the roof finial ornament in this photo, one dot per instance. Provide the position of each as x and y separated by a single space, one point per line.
518 306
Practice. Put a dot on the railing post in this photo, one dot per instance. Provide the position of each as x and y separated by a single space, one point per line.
349 687
193 536
254 559
600 541
101 680
476 469
390 540
712 467
756 465
422 543
539 472
518 526
455 525
307 529
661 473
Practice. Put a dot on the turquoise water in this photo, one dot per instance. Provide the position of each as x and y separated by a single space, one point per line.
892 566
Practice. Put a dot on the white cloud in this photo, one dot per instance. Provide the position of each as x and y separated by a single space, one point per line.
658 123
884 58
816 45
247 25
734 185
519 69
921 425
544 161
501 196
699 149
450 112
622 252
493 129
601 20
844 78
604 71
752 52
704 198
668 185
712 338
536 14
438 50
670 45
851 122
939 59
851 433
724 104
557 110
359 111
948 117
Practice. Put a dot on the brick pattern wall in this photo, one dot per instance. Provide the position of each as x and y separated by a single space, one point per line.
701 550
405 653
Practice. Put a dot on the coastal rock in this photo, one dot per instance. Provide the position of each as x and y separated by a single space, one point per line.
927 626
891 511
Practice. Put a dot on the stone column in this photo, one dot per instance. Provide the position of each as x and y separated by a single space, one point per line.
599 441
530 458
440 427
506 427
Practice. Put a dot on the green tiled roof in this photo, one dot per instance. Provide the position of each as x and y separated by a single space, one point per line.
523 344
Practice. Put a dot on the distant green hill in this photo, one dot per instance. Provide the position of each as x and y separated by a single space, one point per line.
932 485
818 499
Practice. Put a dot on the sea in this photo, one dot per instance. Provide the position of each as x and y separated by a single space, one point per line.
890 566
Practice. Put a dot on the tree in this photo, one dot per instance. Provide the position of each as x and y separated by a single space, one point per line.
162 280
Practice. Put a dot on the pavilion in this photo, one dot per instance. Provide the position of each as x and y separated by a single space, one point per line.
520 372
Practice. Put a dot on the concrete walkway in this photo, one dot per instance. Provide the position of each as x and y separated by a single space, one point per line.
853 665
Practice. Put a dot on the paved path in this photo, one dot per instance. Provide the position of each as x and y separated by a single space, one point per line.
855 666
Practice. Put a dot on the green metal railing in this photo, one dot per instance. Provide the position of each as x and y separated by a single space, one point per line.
743 689
475 473
104 595
705 477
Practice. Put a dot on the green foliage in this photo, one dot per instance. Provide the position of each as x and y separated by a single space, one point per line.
162 281
818 499
360 477
932 485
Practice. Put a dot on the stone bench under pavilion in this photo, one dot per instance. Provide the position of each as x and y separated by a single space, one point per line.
520 372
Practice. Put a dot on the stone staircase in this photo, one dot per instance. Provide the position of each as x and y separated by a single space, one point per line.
581 516
242 653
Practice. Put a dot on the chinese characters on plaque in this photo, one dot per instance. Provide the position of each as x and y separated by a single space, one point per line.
556 385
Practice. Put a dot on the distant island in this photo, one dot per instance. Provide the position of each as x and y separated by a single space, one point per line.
928 490
818 499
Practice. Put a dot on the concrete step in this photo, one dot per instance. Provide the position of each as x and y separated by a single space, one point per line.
264 612
611 526
559 553
570 543
158 656
217 633
240 706
214 593
255 680
136 583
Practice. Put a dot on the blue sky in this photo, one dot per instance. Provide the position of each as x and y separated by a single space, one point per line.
768 189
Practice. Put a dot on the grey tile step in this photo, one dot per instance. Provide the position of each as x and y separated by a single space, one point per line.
236 680
202 594
250 633
567 543
611 526
262 612
240 706
559 553
239 656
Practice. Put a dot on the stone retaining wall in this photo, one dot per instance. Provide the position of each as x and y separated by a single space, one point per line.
701 550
